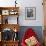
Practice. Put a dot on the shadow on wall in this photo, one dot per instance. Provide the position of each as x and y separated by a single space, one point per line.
37 29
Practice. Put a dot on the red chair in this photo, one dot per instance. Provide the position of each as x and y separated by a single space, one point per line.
29 33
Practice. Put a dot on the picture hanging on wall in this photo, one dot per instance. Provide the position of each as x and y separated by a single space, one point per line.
30 13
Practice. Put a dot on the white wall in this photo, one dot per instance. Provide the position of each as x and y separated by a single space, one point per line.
27 3
39 12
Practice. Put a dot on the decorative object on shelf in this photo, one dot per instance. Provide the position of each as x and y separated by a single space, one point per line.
6 21
7 34
15 34
13 12
15 37
30 13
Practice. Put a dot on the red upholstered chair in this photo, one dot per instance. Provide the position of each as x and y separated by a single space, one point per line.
29 33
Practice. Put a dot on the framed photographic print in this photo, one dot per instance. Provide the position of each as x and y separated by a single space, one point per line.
30 13
5 12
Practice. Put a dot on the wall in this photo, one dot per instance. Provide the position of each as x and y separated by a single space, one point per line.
39 13
25 3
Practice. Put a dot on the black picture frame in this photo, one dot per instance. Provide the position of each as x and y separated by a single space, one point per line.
30 13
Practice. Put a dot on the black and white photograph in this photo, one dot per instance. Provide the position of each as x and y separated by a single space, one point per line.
30 13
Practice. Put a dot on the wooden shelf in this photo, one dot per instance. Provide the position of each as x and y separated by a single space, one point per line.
9 43
9 7
4 13
11 26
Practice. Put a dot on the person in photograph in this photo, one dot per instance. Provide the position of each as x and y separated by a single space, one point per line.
29 12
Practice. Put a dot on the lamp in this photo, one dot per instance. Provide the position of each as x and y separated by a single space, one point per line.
15 3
